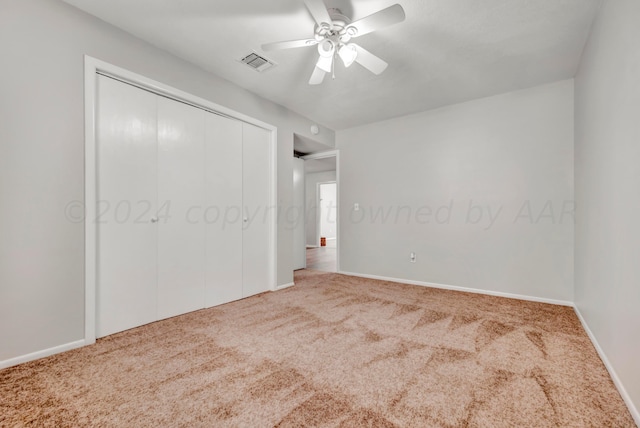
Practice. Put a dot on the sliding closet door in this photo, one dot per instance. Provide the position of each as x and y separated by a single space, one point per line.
126 193
181 234
184 217
257 216
223 212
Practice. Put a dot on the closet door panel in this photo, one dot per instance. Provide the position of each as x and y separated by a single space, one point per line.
223 213
126 193
181 233
257 210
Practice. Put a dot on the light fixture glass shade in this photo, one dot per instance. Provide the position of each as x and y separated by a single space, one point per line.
348 54
326 48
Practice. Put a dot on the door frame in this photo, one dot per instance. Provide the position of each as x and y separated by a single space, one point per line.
300 222
94 67
323 155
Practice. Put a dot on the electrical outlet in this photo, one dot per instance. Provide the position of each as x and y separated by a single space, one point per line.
412 257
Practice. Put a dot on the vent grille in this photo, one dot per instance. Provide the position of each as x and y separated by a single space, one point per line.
257 62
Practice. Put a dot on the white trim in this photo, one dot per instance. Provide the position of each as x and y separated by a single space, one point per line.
102 67
465 289
614 376
41 354
273 229
92 67
283 286
301 222
90 190
338 205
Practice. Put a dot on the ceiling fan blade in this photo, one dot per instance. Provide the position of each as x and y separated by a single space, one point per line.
369 60
325 63
317 76
384 18
318 10
289 44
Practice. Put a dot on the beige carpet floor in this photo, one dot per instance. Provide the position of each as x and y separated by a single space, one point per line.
333 351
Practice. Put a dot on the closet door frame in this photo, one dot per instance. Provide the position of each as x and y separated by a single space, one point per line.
94 67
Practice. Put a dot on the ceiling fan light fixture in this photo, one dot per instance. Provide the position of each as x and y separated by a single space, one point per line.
348 54
333 32
326 48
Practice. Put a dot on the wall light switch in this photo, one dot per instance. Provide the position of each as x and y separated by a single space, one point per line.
356 207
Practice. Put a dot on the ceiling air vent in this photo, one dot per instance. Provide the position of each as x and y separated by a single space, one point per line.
257 62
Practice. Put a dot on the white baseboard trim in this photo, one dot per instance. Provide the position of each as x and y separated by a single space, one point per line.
283 286
614 376
41 354
465 289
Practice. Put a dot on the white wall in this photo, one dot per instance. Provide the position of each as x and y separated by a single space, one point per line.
607 151
297 214
455 185
42 160
311 205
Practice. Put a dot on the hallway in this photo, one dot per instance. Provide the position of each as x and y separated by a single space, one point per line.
323 258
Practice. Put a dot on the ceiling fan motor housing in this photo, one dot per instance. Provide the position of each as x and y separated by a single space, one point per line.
334 35
338 27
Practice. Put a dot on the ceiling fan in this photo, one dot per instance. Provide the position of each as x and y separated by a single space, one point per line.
333 33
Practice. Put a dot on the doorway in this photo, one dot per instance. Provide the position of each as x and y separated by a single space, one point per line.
321 211
327 214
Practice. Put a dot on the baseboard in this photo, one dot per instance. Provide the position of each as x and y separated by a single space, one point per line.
41 354
465 289
283 286
614 376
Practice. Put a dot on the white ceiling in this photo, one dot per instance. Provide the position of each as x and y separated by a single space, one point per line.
447 51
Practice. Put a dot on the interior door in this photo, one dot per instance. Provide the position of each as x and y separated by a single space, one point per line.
257 213
181 183
126 193
222 213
